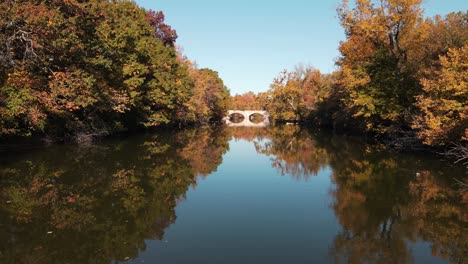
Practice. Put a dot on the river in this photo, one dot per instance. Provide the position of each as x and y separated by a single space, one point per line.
230 195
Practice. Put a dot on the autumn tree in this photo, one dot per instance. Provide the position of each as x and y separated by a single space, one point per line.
162 31
444 33
444 103
246 101
294 95
91 67
210 100
378 60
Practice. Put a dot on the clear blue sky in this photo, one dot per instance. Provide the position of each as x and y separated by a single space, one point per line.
250 41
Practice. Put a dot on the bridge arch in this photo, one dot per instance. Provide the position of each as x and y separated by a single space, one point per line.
247 118
237 115
256 118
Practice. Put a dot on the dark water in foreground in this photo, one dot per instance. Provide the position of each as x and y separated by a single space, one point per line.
232 195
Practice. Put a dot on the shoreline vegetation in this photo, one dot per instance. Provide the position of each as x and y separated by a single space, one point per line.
402 79
73 70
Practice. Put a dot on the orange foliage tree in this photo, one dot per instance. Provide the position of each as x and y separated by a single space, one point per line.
444 103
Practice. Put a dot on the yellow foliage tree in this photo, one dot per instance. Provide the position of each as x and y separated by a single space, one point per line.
444 104
294 95
379 60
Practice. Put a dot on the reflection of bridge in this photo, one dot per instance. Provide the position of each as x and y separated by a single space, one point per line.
247 114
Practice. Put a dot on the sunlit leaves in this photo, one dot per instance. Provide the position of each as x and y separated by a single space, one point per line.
91 67
378 70
294 95
20 105
390 60
210 100
246 101
444 104
71 91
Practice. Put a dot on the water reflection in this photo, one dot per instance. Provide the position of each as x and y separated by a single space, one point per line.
381 199
293 151
385 200
99 204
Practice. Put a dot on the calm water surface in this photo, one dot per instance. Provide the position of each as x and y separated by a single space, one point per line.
230 195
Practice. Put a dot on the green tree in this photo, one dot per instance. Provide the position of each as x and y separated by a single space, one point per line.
93 67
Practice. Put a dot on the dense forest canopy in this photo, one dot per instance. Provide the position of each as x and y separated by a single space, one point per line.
94 67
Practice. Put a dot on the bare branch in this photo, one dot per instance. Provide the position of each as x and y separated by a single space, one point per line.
459 153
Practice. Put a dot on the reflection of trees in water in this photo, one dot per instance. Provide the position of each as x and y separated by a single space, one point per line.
377 199
100 203
256 118
381 205
293 151
103 202
236 118
367 202
204 148
441 215
249 133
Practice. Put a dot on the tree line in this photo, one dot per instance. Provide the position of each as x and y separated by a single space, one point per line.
401 75
91 67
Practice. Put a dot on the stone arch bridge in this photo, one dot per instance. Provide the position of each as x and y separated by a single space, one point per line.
247 114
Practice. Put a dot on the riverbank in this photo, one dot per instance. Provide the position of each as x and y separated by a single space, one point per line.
454 155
